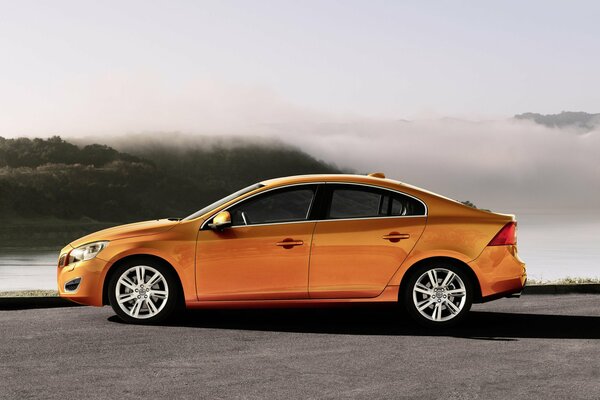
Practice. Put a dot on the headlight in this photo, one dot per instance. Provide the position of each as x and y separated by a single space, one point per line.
86 252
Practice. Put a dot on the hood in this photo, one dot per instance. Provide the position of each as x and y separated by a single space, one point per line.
127 231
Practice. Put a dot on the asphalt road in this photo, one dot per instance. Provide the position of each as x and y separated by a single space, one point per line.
533 347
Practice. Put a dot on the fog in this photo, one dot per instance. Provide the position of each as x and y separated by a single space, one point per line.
497 162
504 165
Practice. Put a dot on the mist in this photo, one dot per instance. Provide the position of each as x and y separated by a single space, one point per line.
504 165
498 162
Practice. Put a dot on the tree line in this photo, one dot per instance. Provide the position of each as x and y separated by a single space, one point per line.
53 178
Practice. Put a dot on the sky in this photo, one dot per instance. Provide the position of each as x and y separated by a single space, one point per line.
423 91
79 66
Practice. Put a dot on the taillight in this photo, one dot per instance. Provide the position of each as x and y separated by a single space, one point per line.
506 236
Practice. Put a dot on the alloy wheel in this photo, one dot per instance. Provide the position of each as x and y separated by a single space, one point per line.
142 292
439 294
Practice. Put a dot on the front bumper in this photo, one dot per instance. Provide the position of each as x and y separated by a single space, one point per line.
89 290
500 271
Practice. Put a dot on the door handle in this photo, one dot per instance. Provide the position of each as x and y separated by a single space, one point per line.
289 243
395 237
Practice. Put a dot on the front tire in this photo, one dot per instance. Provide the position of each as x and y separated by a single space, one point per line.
438 295
143 291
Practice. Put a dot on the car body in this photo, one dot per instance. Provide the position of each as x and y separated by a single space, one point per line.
306 240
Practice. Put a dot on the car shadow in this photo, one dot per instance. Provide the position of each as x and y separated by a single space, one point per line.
480 325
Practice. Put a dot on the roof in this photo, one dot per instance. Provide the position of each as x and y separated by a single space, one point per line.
331 178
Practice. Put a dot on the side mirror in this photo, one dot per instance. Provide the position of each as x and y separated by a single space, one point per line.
220 221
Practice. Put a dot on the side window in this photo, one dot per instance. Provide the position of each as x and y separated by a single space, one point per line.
359 202
284 205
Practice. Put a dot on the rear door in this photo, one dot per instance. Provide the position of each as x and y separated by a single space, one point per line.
362 238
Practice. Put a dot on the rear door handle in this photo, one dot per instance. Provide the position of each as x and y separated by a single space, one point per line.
395 236
289 243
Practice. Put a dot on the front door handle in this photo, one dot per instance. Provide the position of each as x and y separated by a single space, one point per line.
395 236
289 243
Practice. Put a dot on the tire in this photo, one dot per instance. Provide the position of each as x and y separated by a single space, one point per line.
438 305
151 299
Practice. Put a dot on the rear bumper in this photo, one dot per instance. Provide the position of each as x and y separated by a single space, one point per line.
500 271
89 290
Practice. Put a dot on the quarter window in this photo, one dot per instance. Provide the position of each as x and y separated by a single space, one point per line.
404 205
284 205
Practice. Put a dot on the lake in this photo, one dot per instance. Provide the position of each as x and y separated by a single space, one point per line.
28 269
553 246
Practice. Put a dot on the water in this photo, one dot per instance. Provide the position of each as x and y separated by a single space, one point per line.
28 269
560 246
553 246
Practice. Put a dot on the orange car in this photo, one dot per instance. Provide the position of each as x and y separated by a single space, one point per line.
298 241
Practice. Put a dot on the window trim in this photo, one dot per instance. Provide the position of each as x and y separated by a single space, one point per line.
310 212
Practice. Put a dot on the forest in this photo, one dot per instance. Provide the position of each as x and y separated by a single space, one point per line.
54 179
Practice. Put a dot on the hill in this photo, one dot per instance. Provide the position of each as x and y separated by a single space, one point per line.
55 180
566 119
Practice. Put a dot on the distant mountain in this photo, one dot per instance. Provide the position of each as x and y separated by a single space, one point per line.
55 179
566 119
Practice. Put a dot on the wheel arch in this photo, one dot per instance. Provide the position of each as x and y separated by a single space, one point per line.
142 256
456 262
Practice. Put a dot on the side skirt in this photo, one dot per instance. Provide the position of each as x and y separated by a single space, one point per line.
389 295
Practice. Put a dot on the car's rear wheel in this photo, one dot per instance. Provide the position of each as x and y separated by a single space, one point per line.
438 295
143 291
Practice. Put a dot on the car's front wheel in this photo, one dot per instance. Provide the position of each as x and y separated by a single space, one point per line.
143 291
438 295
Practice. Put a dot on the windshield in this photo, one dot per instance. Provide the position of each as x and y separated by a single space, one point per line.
224 200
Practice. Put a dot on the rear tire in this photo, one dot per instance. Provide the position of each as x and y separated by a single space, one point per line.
438 294
143 291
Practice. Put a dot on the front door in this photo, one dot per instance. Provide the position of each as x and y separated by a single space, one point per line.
264 254
365 236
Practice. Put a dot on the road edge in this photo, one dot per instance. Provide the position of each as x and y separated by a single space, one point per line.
578 288
26 303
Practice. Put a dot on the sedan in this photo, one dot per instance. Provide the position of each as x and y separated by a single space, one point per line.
302 241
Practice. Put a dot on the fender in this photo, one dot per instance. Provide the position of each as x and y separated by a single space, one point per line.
185 273
415 256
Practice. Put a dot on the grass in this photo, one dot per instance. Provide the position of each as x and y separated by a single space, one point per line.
563 281
29 293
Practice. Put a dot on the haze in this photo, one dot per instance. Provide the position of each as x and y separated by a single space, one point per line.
367 58
368 85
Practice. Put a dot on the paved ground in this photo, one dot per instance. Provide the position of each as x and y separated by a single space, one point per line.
533 347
